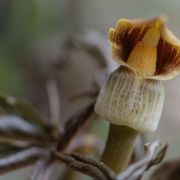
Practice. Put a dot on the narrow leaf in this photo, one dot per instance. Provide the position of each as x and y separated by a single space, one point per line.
13 157
8 149
23 110
18 129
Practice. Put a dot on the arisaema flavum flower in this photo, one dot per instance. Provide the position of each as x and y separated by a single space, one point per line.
132 97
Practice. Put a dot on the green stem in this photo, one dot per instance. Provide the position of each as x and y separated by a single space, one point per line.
119 147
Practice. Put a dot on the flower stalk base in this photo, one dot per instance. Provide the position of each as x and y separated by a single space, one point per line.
119 147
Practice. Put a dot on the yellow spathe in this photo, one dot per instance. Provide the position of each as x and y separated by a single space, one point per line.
147 47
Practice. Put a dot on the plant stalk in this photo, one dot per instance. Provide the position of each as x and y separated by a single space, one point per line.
119 147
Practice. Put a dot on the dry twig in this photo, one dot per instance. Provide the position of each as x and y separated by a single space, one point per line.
100 171
73 126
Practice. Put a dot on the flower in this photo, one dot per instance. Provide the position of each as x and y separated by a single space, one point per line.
146 47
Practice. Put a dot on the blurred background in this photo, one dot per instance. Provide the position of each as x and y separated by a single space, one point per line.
42 41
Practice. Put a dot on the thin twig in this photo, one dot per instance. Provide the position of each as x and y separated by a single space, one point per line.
108 173
82 167
73 125
100 171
